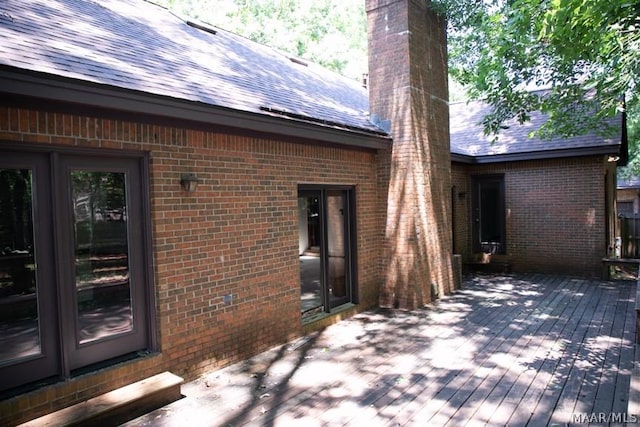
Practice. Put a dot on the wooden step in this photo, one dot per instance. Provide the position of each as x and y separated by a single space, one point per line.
117 406
633 405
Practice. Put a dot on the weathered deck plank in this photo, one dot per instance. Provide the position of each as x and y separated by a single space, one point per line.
443 393
518 350
508 397
537 322
542 386
606 387
627 356
577 366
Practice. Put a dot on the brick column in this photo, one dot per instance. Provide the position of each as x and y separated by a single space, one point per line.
408 86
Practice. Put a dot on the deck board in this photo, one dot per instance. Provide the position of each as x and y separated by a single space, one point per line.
519 338
537 346
506 349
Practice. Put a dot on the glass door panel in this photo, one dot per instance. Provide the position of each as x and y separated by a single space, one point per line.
325 258
336 211
489 214
19 319
102 271
28 329
103 293
74 263
310 238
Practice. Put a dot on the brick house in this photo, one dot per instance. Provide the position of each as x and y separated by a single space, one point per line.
176 197
536 205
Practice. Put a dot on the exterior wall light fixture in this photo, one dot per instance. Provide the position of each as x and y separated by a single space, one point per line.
189 182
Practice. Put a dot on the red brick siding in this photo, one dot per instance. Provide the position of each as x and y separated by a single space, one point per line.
555 215
407 68
236 235
461 210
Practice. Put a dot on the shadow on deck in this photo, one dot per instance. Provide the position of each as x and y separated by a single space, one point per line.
518 350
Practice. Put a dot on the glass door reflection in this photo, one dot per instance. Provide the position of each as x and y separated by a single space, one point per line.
19 318
102 286
336 212
324 248
310 240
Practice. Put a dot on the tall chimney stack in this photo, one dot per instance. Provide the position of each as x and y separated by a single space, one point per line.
408 87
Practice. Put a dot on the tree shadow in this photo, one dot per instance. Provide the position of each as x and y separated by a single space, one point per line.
517 350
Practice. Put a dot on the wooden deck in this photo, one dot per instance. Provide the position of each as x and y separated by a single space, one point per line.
505 350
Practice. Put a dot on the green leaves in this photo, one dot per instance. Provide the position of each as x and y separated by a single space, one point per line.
579 49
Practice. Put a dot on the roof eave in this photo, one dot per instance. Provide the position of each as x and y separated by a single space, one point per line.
55 88
610 149
462 158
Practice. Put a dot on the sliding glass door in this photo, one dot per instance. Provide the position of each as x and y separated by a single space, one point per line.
326 232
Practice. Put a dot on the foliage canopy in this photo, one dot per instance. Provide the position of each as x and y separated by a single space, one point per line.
585 52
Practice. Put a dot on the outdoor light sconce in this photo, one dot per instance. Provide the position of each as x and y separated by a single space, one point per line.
189 182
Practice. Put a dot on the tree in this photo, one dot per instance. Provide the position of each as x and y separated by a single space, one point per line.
585 52
633 128
331 33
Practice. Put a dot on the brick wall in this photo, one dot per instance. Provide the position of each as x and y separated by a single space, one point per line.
236 235
408 74
461 210
555 217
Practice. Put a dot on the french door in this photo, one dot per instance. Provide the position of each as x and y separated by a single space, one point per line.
488 204
74 282
327 259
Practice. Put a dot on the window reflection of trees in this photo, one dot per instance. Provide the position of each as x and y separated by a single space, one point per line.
100 222
16 233
19 334
101 250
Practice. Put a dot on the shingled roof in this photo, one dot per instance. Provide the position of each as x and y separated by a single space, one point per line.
470 144
135 56
628 183
136 49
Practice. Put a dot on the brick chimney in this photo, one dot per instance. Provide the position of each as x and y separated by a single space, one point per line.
408 87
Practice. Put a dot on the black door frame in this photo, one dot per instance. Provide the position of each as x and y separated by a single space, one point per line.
78 354
62 356
478 182
47 363
350 242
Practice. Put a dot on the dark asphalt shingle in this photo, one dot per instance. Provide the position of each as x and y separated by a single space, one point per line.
627 183
137 45
468 138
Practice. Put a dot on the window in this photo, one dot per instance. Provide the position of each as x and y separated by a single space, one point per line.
489 234
74 284
326 249
625 207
